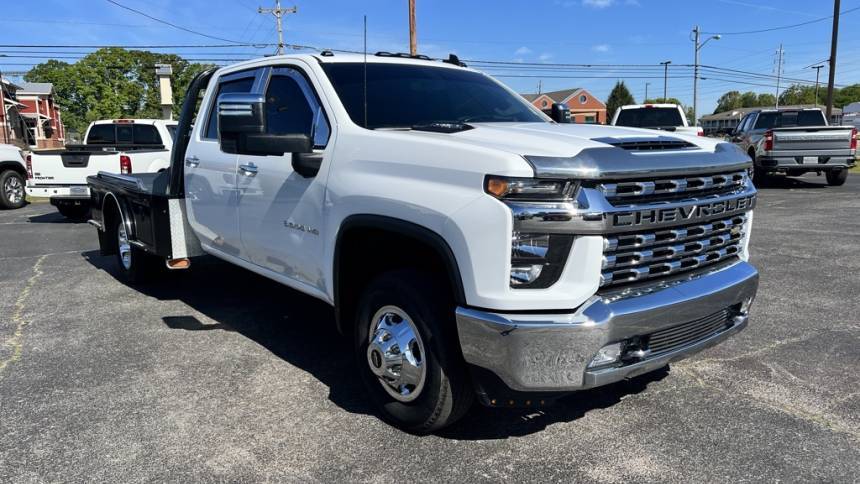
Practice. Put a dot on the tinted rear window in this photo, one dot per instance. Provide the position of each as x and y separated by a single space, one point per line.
102 134
650 118
126 133
788 119
402 95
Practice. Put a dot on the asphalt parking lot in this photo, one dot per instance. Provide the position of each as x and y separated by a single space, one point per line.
217 374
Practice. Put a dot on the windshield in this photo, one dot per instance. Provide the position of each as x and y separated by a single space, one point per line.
650 118
402 96
788 119
171 129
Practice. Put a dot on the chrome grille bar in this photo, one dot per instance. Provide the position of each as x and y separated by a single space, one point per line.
671 188
638 257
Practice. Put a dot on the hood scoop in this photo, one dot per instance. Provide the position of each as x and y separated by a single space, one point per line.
658 143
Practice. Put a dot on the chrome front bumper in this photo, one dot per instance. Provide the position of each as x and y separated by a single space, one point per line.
551 352
778 162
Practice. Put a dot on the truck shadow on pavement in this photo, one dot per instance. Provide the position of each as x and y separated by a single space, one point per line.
783 182
300 330
54 218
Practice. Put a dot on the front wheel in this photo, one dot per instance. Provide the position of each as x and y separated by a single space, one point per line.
836 178
11 190
408 354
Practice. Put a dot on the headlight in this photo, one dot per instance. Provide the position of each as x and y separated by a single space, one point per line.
538 259
526 189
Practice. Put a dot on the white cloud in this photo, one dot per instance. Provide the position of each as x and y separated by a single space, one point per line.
545 57
523 51
601 48
632 3
598 3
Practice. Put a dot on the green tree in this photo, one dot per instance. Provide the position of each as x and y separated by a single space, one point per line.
846 95
729 101
749 99
660 100
765 99
619 96
112 83
797 94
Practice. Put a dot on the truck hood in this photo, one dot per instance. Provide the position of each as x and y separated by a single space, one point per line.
596 151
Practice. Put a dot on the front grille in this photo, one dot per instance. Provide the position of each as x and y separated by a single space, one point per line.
676 337
672 189
639 256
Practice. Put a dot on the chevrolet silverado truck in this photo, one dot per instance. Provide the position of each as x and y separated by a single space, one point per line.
796 141
663 117
114 145
469 245
13 172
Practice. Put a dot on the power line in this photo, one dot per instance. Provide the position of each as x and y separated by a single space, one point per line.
784 27
165 22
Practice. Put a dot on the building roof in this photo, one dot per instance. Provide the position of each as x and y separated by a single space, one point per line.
740 112
39 88
557 96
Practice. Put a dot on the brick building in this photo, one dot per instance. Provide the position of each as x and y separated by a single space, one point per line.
13 130
584 107
41 115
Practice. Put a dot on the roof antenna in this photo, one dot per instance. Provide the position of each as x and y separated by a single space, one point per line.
365 72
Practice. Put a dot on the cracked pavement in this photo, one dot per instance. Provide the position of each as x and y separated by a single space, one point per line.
219 375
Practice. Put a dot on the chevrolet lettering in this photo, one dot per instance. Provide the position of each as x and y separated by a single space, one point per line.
685 213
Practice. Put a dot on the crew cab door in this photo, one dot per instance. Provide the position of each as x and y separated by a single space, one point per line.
280 211
211 176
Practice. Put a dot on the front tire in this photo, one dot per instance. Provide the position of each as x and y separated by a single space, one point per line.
12 190
837 178
408 353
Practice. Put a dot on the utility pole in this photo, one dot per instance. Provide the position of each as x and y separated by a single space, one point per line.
817 72
413 39
833 42
779 63
279 12
665 65
696 48
646 90
540 86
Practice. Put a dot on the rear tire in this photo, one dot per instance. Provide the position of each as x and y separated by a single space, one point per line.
12 194
837 178
134 264
408 353
760 177
74 212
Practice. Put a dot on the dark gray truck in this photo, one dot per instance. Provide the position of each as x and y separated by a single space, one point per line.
796 141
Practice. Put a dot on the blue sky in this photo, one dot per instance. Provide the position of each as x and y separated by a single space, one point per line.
540 31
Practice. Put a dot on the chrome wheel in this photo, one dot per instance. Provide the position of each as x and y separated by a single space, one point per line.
14 190
396 354
123 247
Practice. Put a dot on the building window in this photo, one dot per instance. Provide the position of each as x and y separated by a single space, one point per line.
543 103
583 99
589 120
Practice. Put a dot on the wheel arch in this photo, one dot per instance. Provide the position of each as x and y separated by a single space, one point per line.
15 166
363 225
112 209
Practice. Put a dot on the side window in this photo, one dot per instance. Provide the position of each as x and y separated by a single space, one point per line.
292 107
146 134
243 84
101 134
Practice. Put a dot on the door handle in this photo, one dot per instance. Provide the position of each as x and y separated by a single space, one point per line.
248 170
192 161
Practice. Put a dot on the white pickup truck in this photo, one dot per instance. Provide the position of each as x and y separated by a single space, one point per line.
12 175
664 117
470 245
117 145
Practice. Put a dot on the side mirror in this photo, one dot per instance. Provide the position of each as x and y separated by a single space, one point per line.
560 113
242 128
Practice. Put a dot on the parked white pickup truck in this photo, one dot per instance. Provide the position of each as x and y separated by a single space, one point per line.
12 175
469 245
117 146
665 117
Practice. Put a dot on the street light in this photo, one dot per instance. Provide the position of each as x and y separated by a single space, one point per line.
697 47
665 65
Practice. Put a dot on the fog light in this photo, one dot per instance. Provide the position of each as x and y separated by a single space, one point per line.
608 354
746 304
525 274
